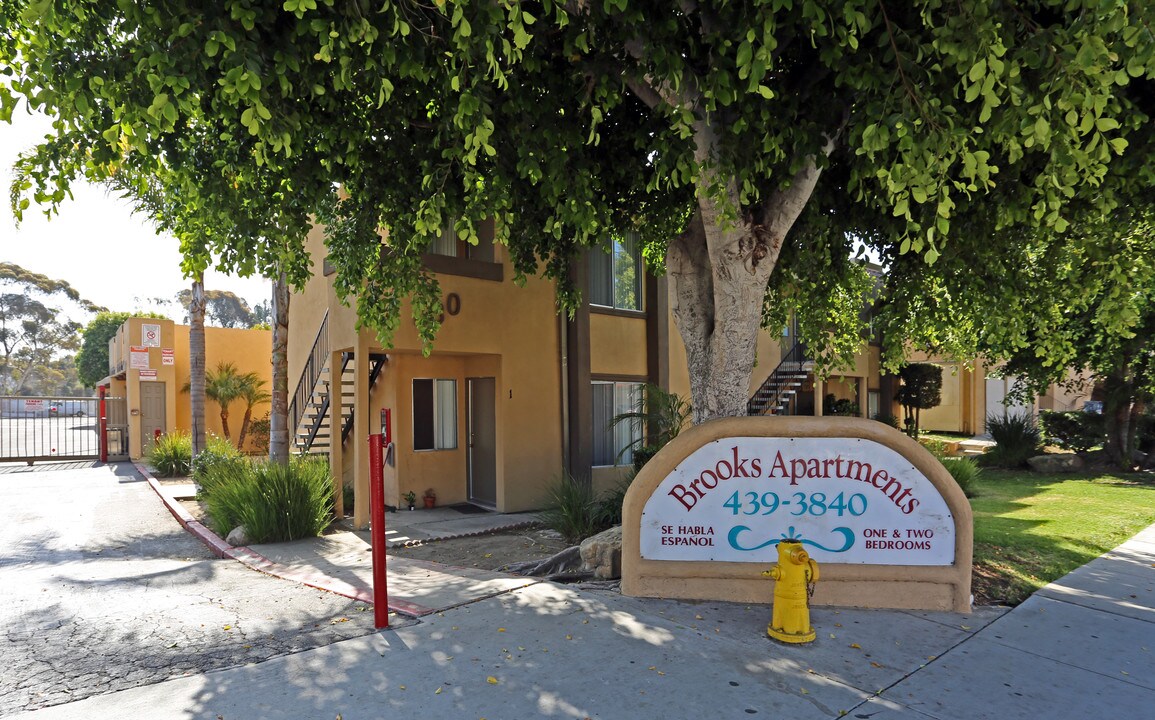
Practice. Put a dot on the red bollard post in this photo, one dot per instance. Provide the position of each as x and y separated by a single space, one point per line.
377 529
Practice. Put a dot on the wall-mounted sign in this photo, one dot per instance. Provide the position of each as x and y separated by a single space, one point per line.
138 357
148 375
150 335
848 500
885 521
167 357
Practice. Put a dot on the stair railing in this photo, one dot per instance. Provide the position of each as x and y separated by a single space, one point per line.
772 387
314 364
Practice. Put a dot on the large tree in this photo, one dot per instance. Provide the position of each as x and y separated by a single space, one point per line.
92 360
35 329
1096 316
744 142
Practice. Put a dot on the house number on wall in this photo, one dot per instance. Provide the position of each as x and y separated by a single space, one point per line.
452 303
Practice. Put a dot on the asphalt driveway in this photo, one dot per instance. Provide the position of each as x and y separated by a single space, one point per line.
102 590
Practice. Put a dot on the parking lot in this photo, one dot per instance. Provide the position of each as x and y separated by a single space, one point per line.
52 436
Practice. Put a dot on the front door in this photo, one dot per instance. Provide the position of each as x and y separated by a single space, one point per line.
482 442
152 413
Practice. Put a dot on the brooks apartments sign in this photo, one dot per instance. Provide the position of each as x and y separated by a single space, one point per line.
883 517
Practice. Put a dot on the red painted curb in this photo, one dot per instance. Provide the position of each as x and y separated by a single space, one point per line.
260 563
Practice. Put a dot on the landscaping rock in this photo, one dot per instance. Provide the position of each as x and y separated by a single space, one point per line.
602 554
1056 463
238 536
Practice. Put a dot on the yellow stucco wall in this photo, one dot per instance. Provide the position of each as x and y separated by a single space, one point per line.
500 330
247 349
617 345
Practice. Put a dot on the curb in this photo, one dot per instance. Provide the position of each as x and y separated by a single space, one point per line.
262 564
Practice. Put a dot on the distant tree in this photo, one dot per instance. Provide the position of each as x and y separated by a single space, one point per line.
263 312
92 360
223 308
33 329
921 390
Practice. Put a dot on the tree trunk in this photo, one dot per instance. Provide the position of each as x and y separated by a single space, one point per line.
1118 398
244 428
225 423
196 342
279 414
718 270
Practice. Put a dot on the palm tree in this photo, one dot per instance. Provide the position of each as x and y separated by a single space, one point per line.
253 393
223 386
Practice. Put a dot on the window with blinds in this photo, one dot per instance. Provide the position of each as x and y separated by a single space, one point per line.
614 444
434 414
616 277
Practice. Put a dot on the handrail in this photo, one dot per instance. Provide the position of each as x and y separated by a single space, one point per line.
793 362
378 361
318 357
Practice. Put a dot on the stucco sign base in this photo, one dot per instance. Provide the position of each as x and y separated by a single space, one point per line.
887 523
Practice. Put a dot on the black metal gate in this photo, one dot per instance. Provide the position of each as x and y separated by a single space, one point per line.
49 428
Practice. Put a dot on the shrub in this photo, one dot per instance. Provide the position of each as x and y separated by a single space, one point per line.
643 454
274 502
921 389
573 510
259 435
1078 431
660 413
937 447
171 454
887 419
1017 437
608 510
217 450
965 472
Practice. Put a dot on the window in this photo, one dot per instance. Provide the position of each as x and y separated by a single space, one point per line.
614 444
434 414
616 277
449 245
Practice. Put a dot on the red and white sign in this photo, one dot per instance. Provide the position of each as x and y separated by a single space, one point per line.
150 335
848 500
34 404
148 374
167 357
138 358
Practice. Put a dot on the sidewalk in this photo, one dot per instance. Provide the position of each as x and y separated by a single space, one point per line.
494 646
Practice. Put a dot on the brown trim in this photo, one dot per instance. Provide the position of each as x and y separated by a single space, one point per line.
603 377
580 389
658 331
604 310
478 269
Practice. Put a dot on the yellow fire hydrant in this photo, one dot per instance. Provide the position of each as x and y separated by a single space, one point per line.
794 574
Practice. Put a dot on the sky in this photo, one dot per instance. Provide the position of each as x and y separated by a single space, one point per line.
110 255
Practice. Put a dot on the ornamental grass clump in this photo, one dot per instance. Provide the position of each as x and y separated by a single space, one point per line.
217 451
573 510
1017 438
171 454
273 502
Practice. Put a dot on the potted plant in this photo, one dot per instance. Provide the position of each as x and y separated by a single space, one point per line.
410 499
430 498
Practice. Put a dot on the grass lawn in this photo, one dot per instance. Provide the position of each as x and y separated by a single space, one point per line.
1031 529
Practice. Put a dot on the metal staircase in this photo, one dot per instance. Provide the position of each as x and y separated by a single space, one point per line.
778 393
322 395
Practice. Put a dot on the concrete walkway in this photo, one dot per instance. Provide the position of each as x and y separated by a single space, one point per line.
493 646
